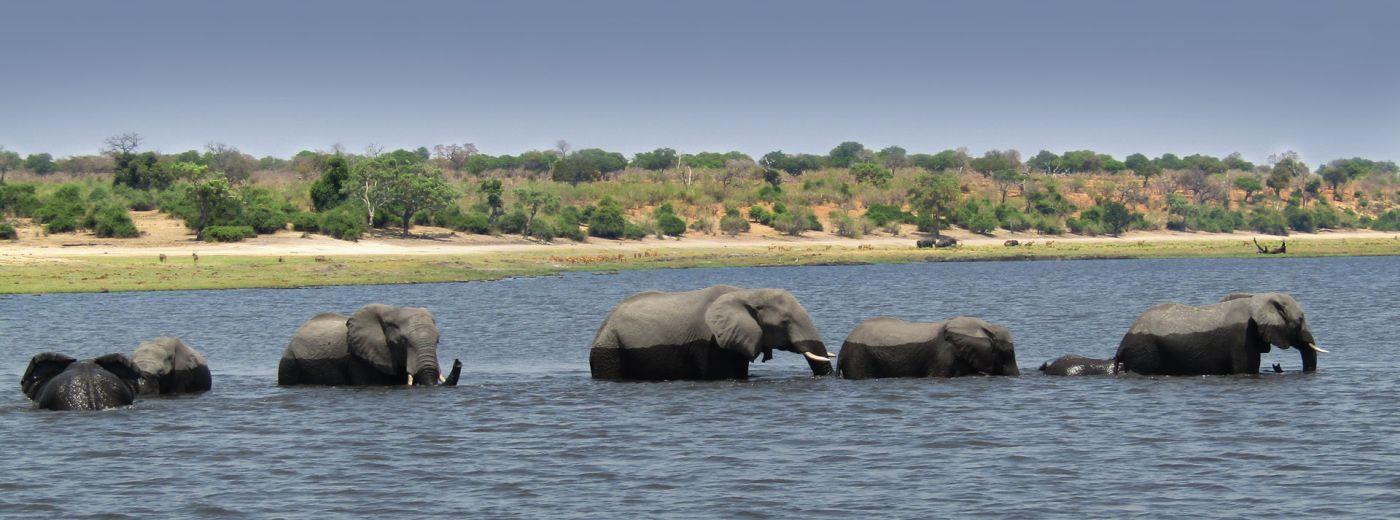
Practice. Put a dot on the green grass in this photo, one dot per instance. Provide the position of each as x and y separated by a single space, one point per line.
146 273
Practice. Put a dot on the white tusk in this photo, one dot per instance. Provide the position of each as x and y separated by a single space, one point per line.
410 380
1317 348
441 378
815 357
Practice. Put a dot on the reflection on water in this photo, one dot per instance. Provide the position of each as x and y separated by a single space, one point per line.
529 434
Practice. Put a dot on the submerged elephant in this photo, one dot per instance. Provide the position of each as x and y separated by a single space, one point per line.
1223 338
891 347
58 382
1075 365
711 333
169 366
379 345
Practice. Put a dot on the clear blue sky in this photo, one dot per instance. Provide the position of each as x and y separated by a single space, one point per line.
1322 78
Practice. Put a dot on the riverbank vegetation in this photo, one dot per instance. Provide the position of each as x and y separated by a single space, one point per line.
222 194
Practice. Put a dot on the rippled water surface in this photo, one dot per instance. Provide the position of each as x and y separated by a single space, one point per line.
529 434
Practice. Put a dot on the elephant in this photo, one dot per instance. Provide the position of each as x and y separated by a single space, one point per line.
169 366
706 334
1074 365
379 345
58 382
1223 338
890 347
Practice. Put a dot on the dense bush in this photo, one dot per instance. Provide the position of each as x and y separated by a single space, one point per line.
1084 226
65 206
703 225
1269 221
327 191
513 222
607 221
305 221
345 222
1048 225
137 200
883 214
796 222
845 225
111 221
761 215
732 223
1388 221
1012 219
542 230
7 232
263 215
632 231
667 223
18 200
1300 219
228 233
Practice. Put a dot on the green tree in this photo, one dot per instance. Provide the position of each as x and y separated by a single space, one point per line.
1169 161
933 194
1283 173
845 154
417 187
210 192
8 161
871 173
656 160
492 192
1235 161
1005 179
534 200
1117 217
328 190
1045 161
893 157
607 220
1249 184
1142 167
40 163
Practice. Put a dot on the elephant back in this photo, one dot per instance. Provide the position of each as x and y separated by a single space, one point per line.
885 331
322 337
659 319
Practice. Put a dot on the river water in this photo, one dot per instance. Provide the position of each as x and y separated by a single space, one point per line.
529 434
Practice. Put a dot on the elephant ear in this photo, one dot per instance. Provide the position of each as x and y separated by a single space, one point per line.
122 367
732 322
364 334
41 369
1271 314
973 341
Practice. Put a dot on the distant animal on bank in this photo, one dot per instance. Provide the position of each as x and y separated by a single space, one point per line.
1075 365
169 366
378 345
1223 338
962 346
924 243
58 382
196 257
711 333
162 257
1011 243
936 242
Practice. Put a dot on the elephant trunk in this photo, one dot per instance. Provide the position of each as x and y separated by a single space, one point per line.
1009 368
422 354
817 357
1308 349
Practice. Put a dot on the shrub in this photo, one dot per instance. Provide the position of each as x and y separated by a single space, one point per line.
1013 219
571 232
542 230
1268 221
982 221
66 203
18 200
847 226
703 225
1326 217
667 223
305 221
136 200
112 221
892 228
344 222
1388 221
513 222
1048 225
632 231
7 232
474 222
61 224
228 233
1300 219
882 214
732 224
607 221
761 215
264 217
796 222
1084 226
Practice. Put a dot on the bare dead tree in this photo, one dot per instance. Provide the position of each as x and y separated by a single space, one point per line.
562 147
122 144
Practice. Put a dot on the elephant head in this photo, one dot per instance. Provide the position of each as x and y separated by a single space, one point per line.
1277 319
750 322
93 384
398 341
987 348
